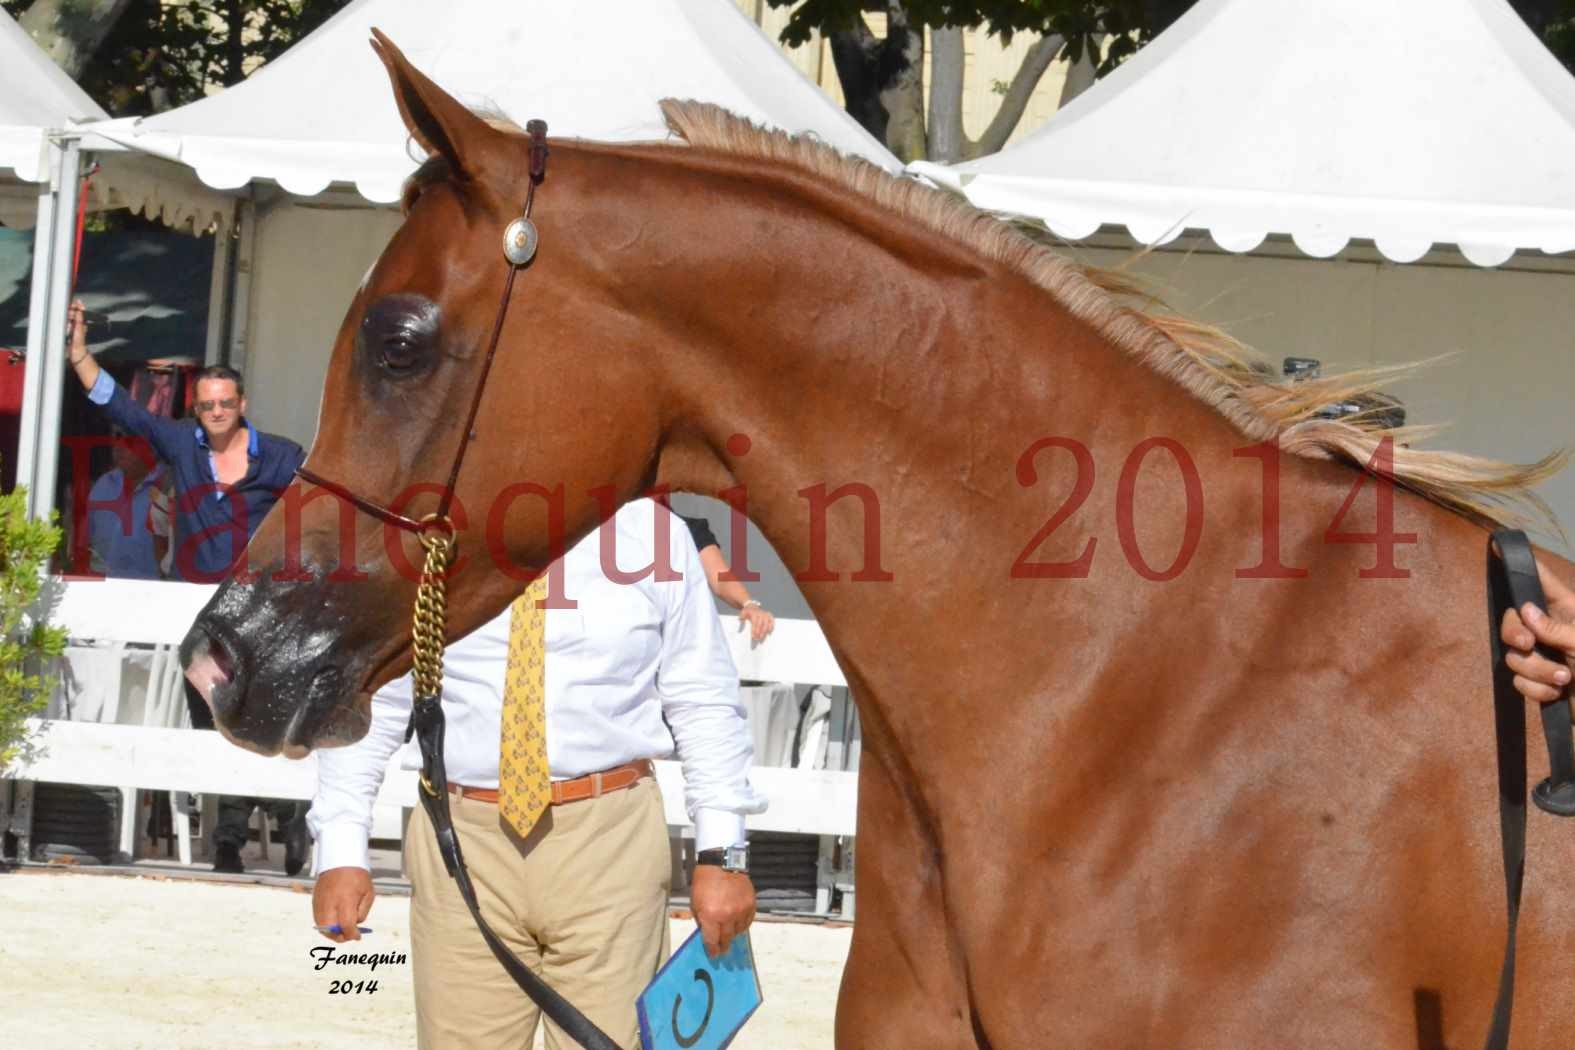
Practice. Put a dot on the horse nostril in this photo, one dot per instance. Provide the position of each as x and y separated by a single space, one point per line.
223 661
211 666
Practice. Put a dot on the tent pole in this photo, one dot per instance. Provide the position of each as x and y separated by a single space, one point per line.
51 360
219 292
38 503
238 354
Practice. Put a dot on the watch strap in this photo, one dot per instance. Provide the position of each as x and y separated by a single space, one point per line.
722 855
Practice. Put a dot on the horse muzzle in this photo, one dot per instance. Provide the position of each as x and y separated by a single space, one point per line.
274 682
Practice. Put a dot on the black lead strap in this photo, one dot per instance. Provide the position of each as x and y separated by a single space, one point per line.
1512 582
437 534
426 718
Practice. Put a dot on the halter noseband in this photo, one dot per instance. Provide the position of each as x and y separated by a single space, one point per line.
519 247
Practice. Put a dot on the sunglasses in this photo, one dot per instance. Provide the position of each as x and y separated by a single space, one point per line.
227 404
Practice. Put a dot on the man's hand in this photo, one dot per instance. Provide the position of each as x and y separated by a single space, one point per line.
343 897
76 318
761 623
723 903
77 356
1536 677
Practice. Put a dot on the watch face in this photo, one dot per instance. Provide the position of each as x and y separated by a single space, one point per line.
736 858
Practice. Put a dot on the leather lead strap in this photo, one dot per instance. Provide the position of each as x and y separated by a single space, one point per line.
1512 582
426 714
426 717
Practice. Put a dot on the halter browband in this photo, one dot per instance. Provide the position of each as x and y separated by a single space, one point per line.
519 247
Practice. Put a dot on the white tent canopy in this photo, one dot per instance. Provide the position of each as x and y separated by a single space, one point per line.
1409 123
35 97
322 113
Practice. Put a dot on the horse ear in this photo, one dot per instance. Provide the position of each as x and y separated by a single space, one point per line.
435 119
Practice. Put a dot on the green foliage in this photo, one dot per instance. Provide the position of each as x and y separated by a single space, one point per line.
1554 22
28 647
1078 22
165 54
1124 25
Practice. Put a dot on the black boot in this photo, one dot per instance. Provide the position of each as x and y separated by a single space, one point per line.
296 842
227 859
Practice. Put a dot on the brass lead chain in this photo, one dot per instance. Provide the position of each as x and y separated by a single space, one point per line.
430 619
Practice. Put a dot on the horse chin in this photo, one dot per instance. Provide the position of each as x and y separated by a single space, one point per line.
347 724
324 717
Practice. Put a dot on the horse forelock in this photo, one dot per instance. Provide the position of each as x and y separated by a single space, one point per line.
1237 381
433 170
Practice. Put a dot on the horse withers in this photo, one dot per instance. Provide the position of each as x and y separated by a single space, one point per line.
1178 728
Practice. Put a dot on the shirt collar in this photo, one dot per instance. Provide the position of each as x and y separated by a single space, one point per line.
251 438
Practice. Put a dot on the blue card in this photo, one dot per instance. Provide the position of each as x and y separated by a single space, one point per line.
696 1002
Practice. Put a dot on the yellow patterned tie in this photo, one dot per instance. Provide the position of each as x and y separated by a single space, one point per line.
524 783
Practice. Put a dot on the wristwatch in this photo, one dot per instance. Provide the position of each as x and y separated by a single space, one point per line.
732 858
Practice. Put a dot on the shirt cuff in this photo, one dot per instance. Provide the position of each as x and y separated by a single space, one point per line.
718 829
103 388
341 846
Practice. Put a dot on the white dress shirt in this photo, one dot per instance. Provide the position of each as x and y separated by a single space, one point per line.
636 671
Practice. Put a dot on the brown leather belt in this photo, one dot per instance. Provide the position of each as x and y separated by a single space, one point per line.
593 785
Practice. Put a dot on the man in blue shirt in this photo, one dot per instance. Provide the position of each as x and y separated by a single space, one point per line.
124 543
227 475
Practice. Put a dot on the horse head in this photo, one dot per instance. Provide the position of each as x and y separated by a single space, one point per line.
290 648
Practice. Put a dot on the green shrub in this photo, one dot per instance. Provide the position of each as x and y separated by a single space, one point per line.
29 646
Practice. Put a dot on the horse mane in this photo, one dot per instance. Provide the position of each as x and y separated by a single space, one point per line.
1237 381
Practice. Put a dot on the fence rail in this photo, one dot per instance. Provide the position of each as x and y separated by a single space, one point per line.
816 802
806 801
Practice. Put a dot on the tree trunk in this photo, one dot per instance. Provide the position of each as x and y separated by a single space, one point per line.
883 80
1084 71
70 31
902 95
947 139
1015 101
234 50
949 143
856 53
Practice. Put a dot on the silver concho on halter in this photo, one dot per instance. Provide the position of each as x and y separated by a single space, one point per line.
519 241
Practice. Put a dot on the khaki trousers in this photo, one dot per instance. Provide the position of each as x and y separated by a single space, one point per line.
582 901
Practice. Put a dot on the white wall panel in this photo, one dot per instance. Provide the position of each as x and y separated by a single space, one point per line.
308 264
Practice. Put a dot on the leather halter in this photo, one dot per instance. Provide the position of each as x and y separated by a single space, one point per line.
426 714
439 519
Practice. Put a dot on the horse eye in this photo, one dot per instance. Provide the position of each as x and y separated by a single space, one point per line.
400 354
398 333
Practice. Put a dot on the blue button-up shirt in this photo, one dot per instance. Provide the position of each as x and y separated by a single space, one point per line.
213 520
118 524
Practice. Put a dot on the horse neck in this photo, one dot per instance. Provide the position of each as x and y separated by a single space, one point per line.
863 356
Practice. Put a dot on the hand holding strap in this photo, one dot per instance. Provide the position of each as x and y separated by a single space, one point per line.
1512 581
1518 585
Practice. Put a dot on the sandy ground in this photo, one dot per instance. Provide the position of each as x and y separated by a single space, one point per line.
102 962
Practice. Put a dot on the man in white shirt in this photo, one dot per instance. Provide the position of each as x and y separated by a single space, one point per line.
634 672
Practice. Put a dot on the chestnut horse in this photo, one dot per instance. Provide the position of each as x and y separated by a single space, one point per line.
1244 800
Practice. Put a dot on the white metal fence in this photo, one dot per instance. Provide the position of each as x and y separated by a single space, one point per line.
157 753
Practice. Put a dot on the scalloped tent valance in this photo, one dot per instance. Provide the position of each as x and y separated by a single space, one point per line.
1409 123
322 113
